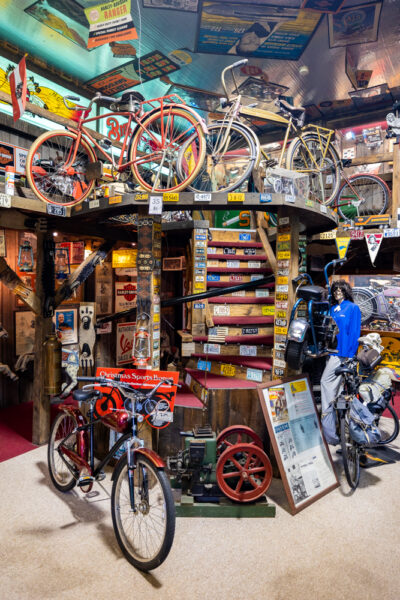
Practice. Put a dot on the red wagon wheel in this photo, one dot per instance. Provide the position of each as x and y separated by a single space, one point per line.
244 472
237 434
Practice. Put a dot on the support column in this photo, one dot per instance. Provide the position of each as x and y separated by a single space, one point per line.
396 185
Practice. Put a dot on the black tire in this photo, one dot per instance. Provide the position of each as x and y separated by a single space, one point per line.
350 455
322 189
362 195
388 426
45 174
137 531
365 299
242 151
61 476
295 354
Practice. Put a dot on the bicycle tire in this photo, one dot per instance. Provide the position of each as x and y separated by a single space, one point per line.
44 163
213 175
350 455
362 195
297 160
185 132
367 304
388 426
155 508
60 475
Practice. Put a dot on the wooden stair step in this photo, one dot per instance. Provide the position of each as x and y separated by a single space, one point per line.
222 281
214 349
185 398
209 381
240 269
262 363
232 235
257 293
244 320
252 257
242 310
236 339
229 370
227 299
234 244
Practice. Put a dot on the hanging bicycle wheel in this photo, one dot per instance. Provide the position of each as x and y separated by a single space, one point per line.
362 195
244 472
350 455
56 168
388 425
166 138
145 532
230 157
62 476
366 302
310 155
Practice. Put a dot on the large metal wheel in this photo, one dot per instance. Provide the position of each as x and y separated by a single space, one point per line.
350 454
296 354
244 472
237 434
388 425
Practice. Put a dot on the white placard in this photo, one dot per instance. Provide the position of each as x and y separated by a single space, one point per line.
222 310
155 205
212 348
248 350
233 264
202 197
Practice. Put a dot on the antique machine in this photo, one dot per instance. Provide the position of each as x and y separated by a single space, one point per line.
232 464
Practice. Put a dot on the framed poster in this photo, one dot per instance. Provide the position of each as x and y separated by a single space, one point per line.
302 454
354 25
24 332
124 343
66 324
66 18
255 29
185 5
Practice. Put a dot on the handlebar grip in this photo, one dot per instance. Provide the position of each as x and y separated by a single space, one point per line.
107 98
239 63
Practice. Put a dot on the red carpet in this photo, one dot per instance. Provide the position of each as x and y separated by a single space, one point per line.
15 430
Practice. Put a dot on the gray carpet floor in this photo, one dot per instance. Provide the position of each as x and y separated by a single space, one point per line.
62 546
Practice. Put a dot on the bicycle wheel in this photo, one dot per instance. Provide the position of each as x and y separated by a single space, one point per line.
226 168
362 195
350 454
46 173
164 139
366 302
144 534
388 426
305 155
61 476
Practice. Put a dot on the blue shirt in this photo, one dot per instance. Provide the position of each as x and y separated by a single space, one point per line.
347 316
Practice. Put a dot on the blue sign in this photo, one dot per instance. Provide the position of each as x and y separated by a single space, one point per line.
213 277
204 365
244 237
264 198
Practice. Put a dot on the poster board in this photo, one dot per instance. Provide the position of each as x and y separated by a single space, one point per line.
302 454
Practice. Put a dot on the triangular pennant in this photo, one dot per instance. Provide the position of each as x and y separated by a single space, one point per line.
342 245
374 241
18 86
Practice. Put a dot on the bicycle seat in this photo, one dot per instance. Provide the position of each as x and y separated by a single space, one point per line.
85 395
297 112
126 96
343 369
311 292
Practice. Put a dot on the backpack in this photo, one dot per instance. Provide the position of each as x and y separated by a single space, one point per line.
362 427
329 425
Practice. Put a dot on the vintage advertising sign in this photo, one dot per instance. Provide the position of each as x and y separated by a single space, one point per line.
157 411
125 295
110 22
124 343
255 29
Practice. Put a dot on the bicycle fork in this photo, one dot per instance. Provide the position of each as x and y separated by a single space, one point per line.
132 466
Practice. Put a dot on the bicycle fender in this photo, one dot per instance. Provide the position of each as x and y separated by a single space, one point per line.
201 121
69 409
150 454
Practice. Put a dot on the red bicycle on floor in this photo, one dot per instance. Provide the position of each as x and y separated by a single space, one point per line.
142 505
163 148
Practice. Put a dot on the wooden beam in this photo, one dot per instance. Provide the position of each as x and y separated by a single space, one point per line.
372 159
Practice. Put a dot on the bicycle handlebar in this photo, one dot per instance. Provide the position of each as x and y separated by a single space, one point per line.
98 97
238 63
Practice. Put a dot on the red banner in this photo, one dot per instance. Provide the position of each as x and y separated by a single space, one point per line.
18 85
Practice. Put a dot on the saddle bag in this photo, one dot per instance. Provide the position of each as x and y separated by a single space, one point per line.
376 390
362 426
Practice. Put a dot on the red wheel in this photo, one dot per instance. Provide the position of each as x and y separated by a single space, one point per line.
244 472
237 434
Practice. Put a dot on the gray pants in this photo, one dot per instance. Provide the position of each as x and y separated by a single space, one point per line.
330 383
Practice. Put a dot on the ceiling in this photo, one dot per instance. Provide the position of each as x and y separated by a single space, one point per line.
318 76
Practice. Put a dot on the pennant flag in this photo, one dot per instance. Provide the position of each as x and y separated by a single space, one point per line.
110 22
374 241
18 85
342 245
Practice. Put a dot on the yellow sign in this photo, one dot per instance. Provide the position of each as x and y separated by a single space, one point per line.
268 310
124 257
342 245
114 199
298 386
156 318
281 330
171 197
284 238
236 197
328 235
228 370
141 196
281 314
283 255
282 280
391 353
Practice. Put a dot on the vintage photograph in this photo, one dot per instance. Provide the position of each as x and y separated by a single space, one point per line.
66 325
24 332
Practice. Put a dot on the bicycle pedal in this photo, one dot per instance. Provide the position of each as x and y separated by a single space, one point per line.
100 476
85 480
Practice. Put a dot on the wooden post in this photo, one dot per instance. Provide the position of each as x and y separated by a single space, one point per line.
395 185
287 255
199 279
41 402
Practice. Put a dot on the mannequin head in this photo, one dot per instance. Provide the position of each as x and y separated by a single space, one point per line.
341 290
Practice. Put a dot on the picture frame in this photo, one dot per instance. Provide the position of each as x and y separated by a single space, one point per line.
342 28
24 332
66 325
300 449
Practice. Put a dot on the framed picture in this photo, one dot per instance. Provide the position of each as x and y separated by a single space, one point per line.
354 25
24 332
323 6
3 247
125 295
66 324
30 280
302 454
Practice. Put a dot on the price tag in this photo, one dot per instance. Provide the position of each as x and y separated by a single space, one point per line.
323 208
236 197
5 201
156 205
94 203
202 197
171 197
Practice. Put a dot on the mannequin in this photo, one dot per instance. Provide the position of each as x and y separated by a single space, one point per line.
347 316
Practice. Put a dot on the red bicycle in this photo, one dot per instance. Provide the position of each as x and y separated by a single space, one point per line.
163 147
142 505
